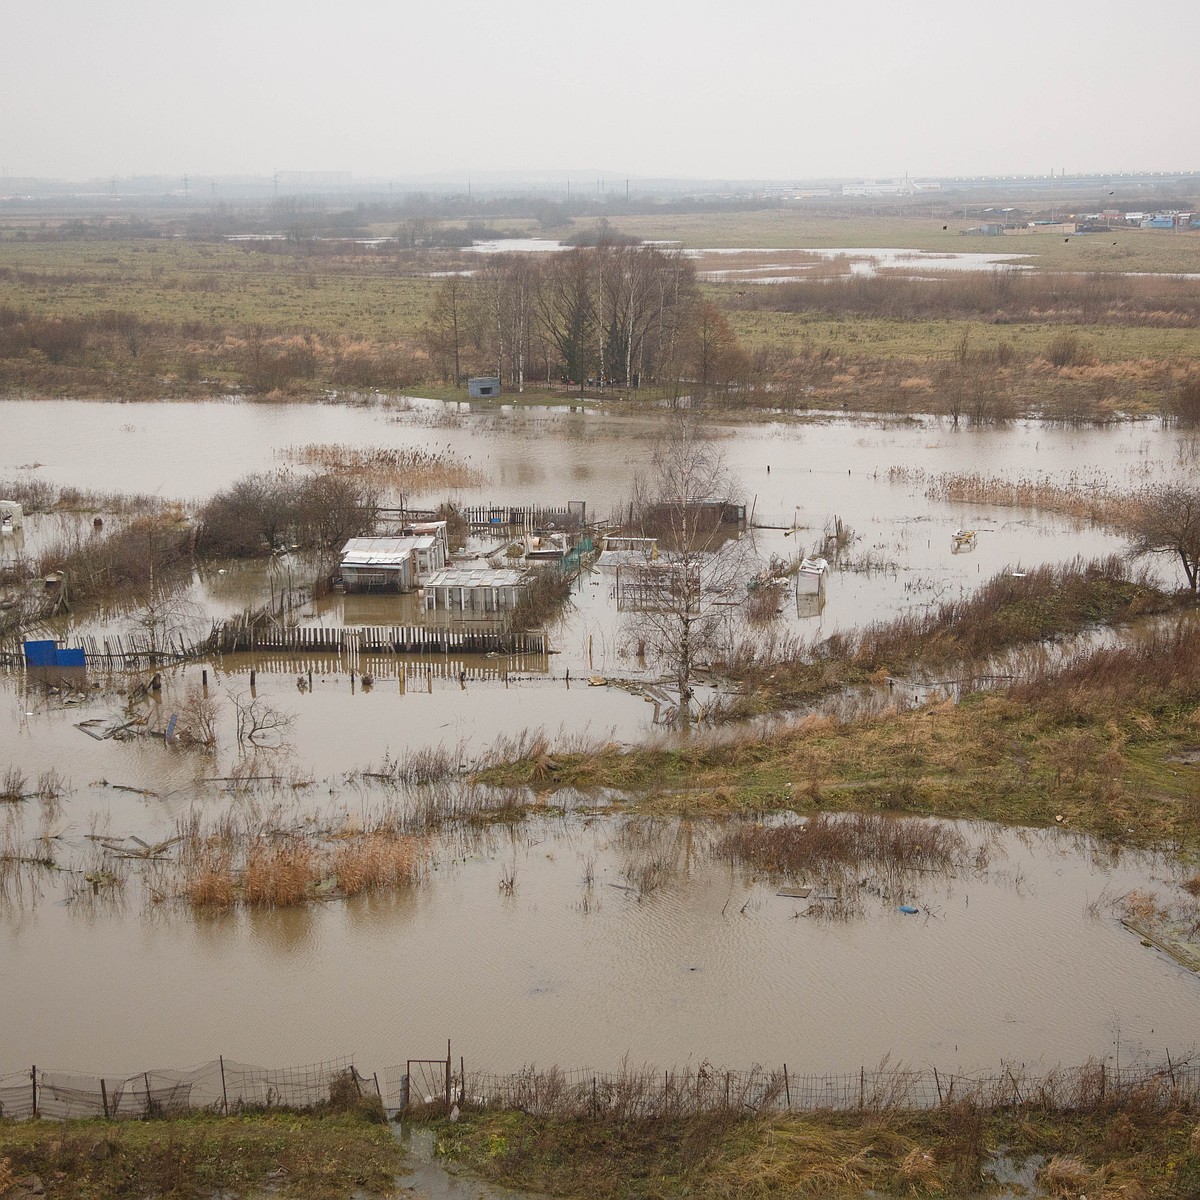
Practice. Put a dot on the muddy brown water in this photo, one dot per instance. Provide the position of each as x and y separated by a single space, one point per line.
578 965
712 964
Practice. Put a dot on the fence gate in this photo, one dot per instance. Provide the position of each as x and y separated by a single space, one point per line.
428 1083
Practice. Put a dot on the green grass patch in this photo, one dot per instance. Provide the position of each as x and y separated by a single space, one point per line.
292 1156
1120 1150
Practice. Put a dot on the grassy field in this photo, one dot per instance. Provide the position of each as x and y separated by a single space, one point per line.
173 316
1117 1154
289 1155
1098 744
217 286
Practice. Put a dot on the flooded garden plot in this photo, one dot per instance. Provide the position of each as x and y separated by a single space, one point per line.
579 934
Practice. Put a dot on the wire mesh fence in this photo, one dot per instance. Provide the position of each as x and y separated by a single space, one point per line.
223 1085
436 1085
632 1094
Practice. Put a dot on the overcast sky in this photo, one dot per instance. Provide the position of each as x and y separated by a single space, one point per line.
775 89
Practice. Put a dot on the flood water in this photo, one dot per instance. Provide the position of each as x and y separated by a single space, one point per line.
582 963
711 964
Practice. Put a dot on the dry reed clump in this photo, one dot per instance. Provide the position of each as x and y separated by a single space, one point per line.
411 470
373 862
213 886
279 875
255 860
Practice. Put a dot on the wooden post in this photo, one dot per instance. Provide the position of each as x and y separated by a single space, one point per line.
462 1079
1103 1083
204 677
862 1087
146 1080
33 1080
104 1097
224 1093
375 1076
787 1089
937 1081
447 1076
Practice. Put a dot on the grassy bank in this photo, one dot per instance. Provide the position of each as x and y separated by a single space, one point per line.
1097 741
289 1155
1128 1151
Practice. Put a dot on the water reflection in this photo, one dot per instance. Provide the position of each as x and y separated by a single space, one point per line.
632 936
287 933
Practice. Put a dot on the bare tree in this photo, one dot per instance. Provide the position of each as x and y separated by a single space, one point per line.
1167 521
678 604
448 321
260 725
566 307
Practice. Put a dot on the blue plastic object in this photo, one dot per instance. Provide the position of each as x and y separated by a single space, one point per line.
41 654
49 654
908 908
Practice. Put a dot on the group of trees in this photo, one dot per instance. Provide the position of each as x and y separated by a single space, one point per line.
615 313
263 513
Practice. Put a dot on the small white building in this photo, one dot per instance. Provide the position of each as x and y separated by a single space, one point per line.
437 529
391 564
475 589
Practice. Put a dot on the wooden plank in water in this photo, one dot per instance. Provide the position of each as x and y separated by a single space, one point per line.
795 893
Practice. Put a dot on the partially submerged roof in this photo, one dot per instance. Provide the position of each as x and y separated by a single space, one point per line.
469 576
383 551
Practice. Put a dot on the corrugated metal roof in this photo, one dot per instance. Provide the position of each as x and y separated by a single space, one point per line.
475 577
382 551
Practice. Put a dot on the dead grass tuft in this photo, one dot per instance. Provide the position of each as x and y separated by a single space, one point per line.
279 875
1066 1176
373 862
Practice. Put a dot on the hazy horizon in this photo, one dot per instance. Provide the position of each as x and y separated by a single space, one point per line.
775 92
